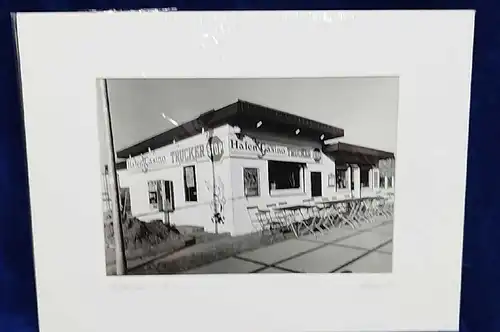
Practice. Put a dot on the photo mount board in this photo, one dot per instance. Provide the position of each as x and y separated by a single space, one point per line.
430 51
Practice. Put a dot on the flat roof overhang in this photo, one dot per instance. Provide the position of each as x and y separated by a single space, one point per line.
344 153
244 115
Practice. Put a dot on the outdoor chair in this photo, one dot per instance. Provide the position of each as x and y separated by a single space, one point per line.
287 217
366 211
326 212
276 221
314 215
345 214
283 213
257 218
390 205
387 205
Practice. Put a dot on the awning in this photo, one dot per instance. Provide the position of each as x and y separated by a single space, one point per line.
344 153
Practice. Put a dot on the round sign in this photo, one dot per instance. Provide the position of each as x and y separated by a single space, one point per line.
316 155
215 148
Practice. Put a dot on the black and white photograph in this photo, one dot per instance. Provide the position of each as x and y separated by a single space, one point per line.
268 175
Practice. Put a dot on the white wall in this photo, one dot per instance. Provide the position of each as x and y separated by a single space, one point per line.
186 213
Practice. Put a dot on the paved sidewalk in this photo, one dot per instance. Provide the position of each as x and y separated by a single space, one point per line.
364 250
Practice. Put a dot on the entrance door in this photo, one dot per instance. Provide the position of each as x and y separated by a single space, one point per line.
316 188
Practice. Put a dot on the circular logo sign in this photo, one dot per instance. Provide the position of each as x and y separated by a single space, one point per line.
316 155
215 148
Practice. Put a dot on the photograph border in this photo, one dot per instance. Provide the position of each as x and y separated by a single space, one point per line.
431 51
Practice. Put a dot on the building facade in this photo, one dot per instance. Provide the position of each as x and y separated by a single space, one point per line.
219 168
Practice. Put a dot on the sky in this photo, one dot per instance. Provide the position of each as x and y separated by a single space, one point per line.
366 108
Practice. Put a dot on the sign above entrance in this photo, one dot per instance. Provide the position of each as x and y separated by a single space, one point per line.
145 161
213 150
187 155
267 150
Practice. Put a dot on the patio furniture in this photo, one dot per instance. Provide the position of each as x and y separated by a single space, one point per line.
326 213
297 217
275 219
364 210
311 213
346 210
390 204
386 204
316 213
257 218
284 214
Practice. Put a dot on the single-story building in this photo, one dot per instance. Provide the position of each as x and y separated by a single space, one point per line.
243 155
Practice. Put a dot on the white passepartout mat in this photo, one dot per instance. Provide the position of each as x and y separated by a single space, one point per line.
150 136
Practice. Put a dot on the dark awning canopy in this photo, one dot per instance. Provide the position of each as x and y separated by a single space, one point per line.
244 115
344 154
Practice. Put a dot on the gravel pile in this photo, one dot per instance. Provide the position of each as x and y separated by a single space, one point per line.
138 234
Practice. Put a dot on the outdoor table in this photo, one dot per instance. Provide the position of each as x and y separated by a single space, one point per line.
349 205
326 215
367 209
298 210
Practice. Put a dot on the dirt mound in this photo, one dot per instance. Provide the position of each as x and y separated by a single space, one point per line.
139 234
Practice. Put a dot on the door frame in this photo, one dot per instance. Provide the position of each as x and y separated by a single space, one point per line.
320 184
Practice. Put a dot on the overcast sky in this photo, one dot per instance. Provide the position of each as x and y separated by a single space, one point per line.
366 108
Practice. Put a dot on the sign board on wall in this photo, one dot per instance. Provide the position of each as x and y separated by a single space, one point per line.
146 161
249 147
212 150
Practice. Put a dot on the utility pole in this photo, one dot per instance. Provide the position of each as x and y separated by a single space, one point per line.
121 262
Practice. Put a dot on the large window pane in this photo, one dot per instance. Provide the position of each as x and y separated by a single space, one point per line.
284 175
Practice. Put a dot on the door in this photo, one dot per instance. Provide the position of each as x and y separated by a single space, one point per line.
316 188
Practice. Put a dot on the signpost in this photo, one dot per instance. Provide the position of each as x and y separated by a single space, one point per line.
215 149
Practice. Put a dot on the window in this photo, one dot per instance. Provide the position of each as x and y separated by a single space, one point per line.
341 178
251 182
331 180
382 181
364 174
154 195
284 175
190 184
389 182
